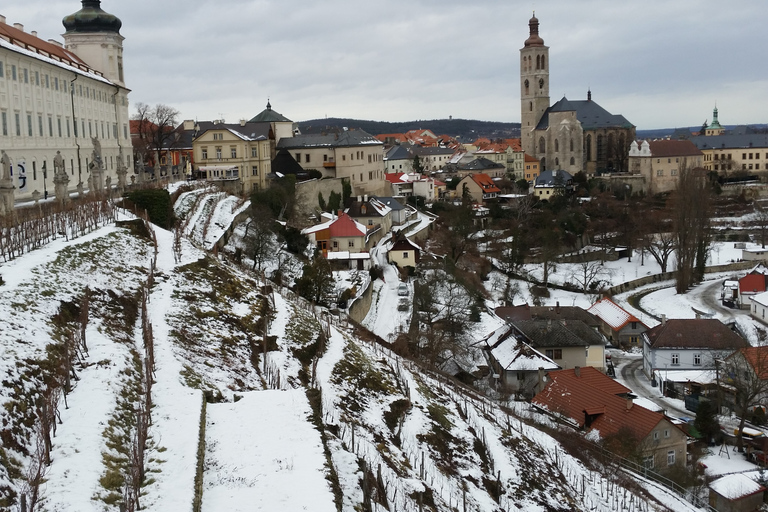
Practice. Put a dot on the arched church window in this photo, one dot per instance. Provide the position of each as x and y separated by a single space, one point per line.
571 146
543 164
530 105
557 146
588 147
526 86
542 145
538 62
543 65
541 83
600 149
557 162
573 161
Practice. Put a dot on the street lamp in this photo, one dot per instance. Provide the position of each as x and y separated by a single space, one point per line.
45 177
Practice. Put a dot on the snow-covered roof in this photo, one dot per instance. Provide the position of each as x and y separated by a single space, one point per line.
346 255
735 486
515 355
697 376
760 298
612 314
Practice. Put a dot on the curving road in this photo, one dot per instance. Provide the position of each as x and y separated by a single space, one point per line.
631 373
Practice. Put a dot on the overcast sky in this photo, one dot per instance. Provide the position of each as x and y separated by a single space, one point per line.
659 63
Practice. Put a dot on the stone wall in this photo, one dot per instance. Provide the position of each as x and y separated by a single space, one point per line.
667 276
359 308
306 197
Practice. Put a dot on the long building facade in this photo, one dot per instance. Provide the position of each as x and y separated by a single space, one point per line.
64 107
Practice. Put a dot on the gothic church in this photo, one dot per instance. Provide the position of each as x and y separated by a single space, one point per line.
569 135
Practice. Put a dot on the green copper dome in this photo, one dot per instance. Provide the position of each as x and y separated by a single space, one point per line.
91 18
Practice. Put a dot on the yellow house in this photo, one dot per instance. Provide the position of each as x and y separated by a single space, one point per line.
239 153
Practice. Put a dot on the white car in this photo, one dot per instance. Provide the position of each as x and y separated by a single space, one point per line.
402 290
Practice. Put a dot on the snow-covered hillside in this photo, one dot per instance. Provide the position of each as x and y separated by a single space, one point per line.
259 401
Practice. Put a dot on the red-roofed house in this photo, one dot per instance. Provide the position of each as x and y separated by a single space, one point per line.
658 161
754 283
341 238
594 402
617 324
480 188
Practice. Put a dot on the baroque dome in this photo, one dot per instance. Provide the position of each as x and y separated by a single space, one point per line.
91 18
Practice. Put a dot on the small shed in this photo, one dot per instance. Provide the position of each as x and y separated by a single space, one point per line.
735 493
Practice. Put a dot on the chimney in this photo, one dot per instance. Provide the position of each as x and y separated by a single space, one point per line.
365 198
359 199
663 319
34 33
629 403
542 380
2 18
18 26
189 124
340 212
56 43
242 122
577 370
557 308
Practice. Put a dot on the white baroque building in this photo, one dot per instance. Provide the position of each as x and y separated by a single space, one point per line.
64 98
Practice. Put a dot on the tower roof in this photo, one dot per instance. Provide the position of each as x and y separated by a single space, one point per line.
533 38
91 18
715 123
269 116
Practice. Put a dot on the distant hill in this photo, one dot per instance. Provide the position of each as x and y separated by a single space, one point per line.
661 133
465 130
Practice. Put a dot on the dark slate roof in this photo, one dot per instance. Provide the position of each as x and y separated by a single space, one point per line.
285 164
730 141
591 115
346 138
551 333
707 333
398 153
393 203
553 177
91 18
564 313
269 116
480 164
430 151
250 131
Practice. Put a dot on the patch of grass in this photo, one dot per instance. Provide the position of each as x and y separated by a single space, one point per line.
397 410
357 371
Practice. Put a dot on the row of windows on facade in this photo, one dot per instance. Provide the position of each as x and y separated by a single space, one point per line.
105 133
744 156
350 244
232 152
675 359
359 155
44 80
648 460
748 167
232 173
110 164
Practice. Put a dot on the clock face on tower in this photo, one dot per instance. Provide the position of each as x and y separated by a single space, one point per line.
541 83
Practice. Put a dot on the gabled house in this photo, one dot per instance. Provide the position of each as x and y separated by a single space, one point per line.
736 493
569 343
515 364
481 164
550 183
341 239
403 252
531 170
397 159
399 212
479 187
751 285
373 214
593 402
617 324
687 344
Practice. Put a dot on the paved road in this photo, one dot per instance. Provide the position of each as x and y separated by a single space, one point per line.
709 296
632 374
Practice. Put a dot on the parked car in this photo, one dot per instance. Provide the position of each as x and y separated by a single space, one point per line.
402 290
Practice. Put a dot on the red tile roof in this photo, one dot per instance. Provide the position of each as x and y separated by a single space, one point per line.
529 158
345 226
757 357
37 45
667 148
590 406
486 183
612 314
394 177
515 144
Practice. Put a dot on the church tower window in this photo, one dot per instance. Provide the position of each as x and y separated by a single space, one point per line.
571 146
530 104
557 146
526 86
541 83
542 145
573 161
557 162
538 62
543 64
588 147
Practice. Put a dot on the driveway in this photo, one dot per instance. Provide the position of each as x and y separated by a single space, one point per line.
633 377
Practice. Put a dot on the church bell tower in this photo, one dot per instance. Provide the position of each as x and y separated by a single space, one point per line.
94 36
534 85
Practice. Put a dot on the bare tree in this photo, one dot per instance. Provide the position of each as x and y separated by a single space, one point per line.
746 373
660 246
589 274
761 216
259 240
690 214
155 130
